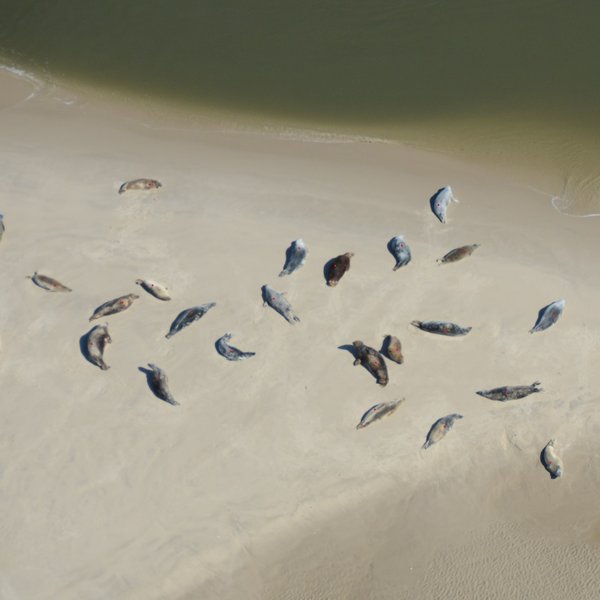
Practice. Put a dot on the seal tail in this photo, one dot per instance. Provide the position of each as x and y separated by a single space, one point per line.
416 323
123 188
426 444
283 273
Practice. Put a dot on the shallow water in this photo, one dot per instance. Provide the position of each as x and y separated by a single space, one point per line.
509 81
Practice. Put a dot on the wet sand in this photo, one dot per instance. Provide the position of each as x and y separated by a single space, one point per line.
258 484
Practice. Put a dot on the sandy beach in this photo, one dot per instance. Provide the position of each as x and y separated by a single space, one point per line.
258 486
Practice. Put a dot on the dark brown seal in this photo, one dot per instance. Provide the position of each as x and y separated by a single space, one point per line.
458 254
392 348
337 267
140 184
372 361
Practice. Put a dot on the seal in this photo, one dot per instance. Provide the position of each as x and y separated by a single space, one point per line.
372 361
187 317
393 349
2 228
97 338
400 250
157 380
442 327
440 200
47 283
140 184
378 411
440 428
278 302
458 254
551 460
548 316
295 257
114 306
337 267
155 289
502 394
231 352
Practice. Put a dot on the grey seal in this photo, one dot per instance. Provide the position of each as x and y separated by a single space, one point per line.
278 302
392 348
551 460
400 250
154 288
372 361
440 428
378 411
295 257
114 306
157 380
47 283
442 327
502 394
440 200
188 316
231 352
337 267
458 254
140 184
548 316
96 341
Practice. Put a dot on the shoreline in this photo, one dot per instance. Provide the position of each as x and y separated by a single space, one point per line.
255 450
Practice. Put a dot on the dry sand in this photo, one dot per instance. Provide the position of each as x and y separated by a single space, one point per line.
258 486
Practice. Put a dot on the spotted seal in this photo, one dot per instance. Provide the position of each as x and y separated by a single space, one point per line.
440 201
231 352
295 257
458 254
548 316
155 289
372 361
278 302
337 267
96 341
400 250
188 316
157 380
440 428
502 394
140 184
442 327
392 348
114 306
551 460
48 283
378 411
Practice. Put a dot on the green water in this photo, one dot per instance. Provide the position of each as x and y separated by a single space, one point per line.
503 70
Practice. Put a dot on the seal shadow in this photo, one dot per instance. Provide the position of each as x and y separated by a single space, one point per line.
288 256
83 347
349 348
432 203
545 464
390 247
385 346
541 314
327 268
149 373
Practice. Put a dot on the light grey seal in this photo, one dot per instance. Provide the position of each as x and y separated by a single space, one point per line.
442 327
502 394
440 201
97 339
371 360
114 306
278 302
392 348
153 288
378 411
47 283
140 184
337 267
548 316
157 380
458 254
400 250
231 352
295 257
551 460
188 316
440 428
